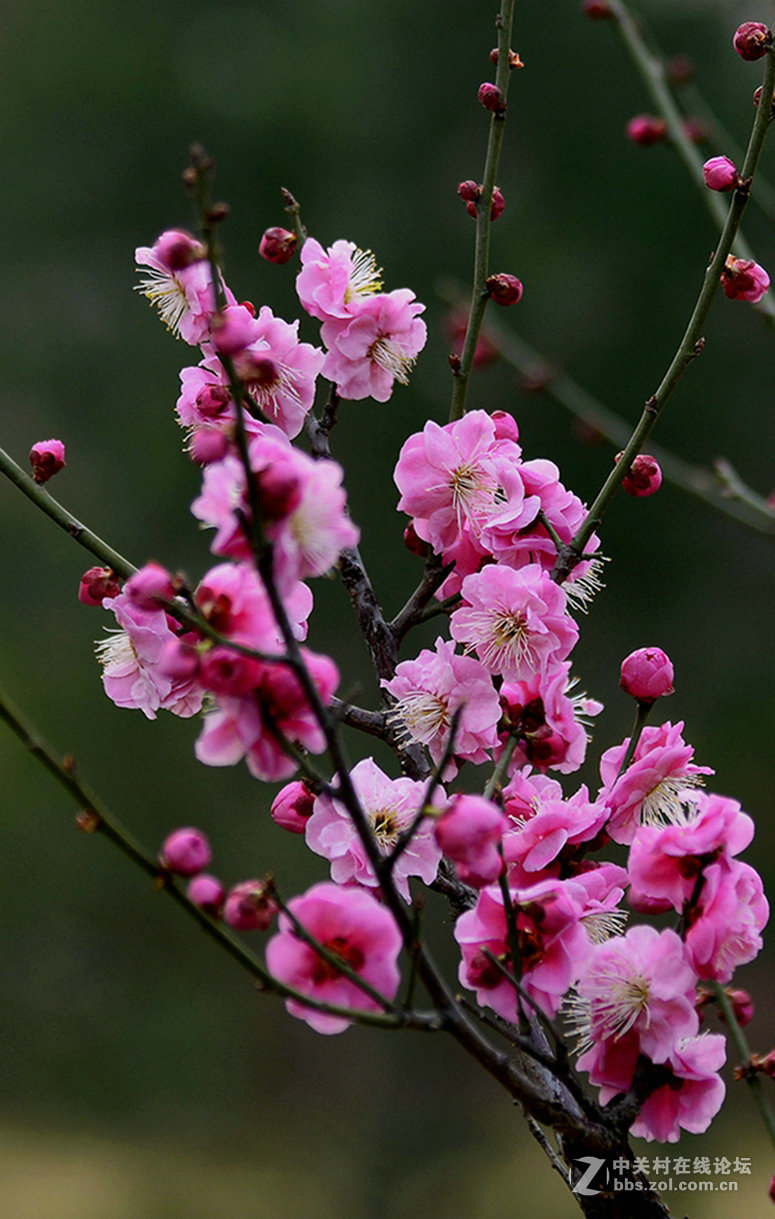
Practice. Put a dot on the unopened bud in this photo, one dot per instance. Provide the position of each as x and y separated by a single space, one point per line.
149 586
185 851
504 289
720 174
250 906
647 674
47 458
491 97
206 892
98 583
277 245
596 9
751 40
644 476
646 129
292 807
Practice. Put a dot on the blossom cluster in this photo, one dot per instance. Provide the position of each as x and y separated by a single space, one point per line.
544 924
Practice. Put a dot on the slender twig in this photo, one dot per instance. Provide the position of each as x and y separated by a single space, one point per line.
753 1080
690 346
483 222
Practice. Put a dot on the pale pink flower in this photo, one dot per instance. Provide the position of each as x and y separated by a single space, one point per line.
352 926
726 923
130 657
378 346
516 621
693 1096
557 826
279 372
641 983
332 283
233 599
665 862
253 726
468 832
552 940
390 806
181 291
658 785
453 478
430 689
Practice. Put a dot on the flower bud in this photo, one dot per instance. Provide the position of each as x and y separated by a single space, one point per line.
646 129
149 586
644 476
98 583
414 543
757 97
228 674
277 245
514 60
742 1006
177 249
491 97
469 191
249 906
744 280
680 70
720 174
233 329
771 1190
179 658
647 674
207 892
504 289
596 9
292 807
506 427
47 458
212 400
185 851
751 40
468 832
208 444
278 489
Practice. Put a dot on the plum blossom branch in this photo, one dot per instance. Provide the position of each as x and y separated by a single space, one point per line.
754 1081
691 344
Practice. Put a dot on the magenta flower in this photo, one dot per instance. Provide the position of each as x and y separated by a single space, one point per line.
644 476
375 347
552 940
430 689
516 621
332 283
646 129
727 921
390 807
292 807
179 284
352 926
279 372
693 1096
536 841
657 785
551 721
647 674
640 983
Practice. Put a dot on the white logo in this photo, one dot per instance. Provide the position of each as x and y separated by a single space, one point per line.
582 1186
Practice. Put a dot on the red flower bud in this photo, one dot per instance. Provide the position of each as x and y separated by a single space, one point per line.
646 129
277 245
491 97
596 9
644 476
751 40
504 289
47 458
647 675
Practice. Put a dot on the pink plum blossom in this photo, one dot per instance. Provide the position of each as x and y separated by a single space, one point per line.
552 940
550 721
253 726
249 906
390 807
430 689
292 807
332 283
744 280
657 785
557 826
516 621
720 174
726 922
131 670
279 372
692 1097
368 352
351 925
183 294
641 983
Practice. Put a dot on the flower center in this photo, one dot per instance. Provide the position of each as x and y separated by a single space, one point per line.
384 823
349 954
422 715
364 278
167 293
388 355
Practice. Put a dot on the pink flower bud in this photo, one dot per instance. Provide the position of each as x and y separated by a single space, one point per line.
596 9
277 245
469 191
504 289
491 97
514 60
233 329
149 586
744 280
742 1005
751 40
180 659
468 832
279 489
644 476
208 444
212 400
646 129
47 458
98 583
757 97
185 851
719 174
647 675
415 544
207 892
506 427
694 130
178 249
249 906
292 807
228 674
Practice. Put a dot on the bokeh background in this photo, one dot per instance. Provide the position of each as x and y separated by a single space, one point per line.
140 1073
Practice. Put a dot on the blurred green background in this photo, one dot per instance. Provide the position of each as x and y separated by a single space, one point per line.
140 1073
